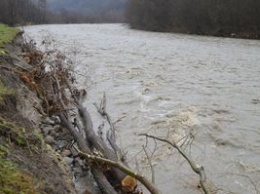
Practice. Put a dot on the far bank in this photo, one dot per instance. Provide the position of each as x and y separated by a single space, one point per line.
223 18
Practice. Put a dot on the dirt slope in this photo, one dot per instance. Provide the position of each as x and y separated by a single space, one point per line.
27 164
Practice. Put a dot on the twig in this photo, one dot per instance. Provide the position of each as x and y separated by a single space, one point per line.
246 177
110 135
150 164
119 120
197 169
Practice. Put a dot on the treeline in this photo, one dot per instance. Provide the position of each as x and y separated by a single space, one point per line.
67 17
237 18
14 12
22 12
78 11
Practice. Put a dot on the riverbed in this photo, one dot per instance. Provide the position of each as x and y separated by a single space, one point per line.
203 92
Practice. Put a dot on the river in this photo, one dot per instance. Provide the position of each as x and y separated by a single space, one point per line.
171 85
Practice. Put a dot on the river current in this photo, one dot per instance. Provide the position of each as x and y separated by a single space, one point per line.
171 85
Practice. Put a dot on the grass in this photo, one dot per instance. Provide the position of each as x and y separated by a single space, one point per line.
19 136
12 133
12 179
7 34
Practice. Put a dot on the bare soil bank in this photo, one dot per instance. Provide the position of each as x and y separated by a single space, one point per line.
27 164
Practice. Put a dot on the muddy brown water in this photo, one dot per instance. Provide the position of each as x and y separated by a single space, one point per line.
169 85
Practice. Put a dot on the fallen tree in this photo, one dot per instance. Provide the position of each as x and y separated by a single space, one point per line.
53 79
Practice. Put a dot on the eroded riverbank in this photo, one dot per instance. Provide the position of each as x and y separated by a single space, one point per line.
27 164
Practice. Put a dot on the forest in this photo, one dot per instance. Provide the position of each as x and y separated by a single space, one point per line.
236 18
78 11
23 12
229 18
14 12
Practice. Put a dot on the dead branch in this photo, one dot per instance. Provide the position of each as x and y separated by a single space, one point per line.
149 158
94 141
150 163
123 168
254 184
110 135
82 143
196 168
55 86
102 110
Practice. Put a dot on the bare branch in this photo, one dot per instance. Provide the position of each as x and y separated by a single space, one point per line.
150 164
197 169
123 168
110 135
96 170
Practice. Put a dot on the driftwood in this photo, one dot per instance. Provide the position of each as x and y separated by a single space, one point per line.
198 169
91 143
150 186
60 97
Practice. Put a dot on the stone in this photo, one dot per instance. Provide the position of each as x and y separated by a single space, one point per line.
48 121
46 130
54 134
65 153
56 119
62 144
68 160
49 140
57 128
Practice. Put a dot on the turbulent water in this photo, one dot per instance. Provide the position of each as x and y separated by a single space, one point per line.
171 85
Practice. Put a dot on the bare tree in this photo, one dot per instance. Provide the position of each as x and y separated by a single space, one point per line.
22 11
42 6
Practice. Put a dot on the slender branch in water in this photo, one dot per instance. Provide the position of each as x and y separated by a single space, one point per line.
197 169
111 134
150 164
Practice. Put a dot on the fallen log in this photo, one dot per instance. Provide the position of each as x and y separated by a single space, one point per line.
61 98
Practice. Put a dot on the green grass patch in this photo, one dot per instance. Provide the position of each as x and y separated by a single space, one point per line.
27 139
13 133
12 179
7 34
15 181
3 151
